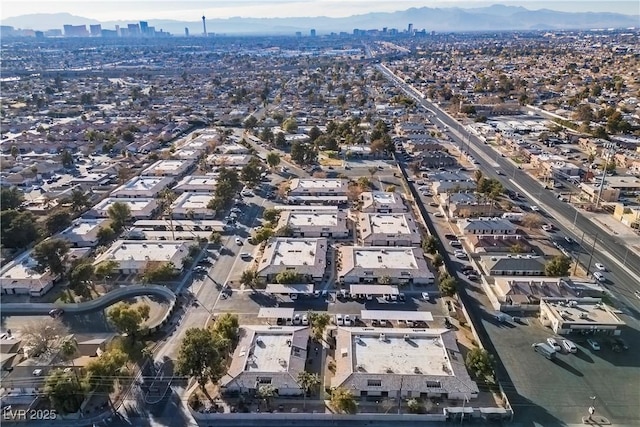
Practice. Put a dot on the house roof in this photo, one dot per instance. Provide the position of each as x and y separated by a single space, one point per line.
514 263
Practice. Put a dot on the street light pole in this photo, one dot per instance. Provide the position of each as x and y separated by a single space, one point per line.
593 247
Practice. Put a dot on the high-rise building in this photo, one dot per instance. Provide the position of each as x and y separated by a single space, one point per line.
410 29
186 31
312 32
144 28
134 30
204 26
95 30
75 31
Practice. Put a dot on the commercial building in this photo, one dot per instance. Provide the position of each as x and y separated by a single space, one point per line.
267 355
140 208
142 187
383 265
315 224
19 277
382 202
135 256
387 229
628 214
192 206
468 205
172 168
83 233
401 364
583 315
306 257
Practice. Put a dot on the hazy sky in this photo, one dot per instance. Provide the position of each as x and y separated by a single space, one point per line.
191 10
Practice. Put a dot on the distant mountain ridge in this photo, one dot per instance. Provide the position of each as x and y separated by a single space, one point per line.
491 18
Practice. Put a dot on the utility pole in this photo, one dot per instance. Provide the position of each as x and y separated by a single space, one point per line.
593 246
607 156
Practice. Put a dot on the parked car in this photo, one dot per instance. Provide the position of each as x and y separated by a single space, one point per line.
599 276
595 346
569 346
245 255
297 319
305 319
554 344
347 320
339 320
56 312
425 296
239 241
600 267
456 243
438 214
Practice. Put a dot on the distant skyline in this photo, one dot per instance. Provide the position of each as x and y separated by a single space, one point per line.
191 10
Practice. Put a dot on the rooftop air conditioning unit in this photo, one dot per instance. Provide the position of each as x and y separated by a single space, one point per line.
382 337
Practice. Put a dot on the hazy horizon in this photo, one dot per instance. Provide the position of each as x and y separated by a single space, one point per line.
192 10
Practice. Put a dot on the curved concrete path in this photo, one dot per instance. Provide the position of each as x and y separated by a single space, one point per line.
30 309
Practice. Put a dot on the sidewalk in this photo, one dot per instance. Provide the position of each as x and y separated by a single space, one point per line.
627 236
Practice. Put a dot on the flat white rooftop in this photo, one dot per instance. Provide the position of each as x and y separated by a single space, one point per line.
136 205
319 219
144 250
22 267
387 257
397 355
83 227
271 353
193 201
319 183
294 252
389 224
142 183
198 181
383 198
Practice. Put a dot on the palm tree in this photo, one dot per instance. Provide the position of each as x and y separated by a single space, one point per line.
307 382
68 350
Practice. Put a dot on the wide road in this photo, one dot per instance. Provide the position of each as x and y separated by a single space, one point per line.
623 280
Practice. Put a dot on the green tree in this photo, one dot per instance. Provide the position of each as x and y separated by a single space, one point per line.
105 234
164 272
103 371
342 401
271 215
199 356
251 172
364 183
18 229
226 189
532 220
226 327
65 393
430 245
15 152
105 269
558 266
80 275
10 198
437 260
51 254
266 135
79 200
284 231
273 159
480 363
128 318
266 392
415 406
280 140
68 350
447 284
262 235
67 159
314 133
290 125
120 214
303 153
42 335
250 122
215 238
319 322
249 278
57 221
390 189
289 277
517 248
307 382
384 280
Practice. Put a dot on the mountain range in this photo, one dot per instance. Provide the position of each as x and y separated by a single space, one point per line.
492 18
